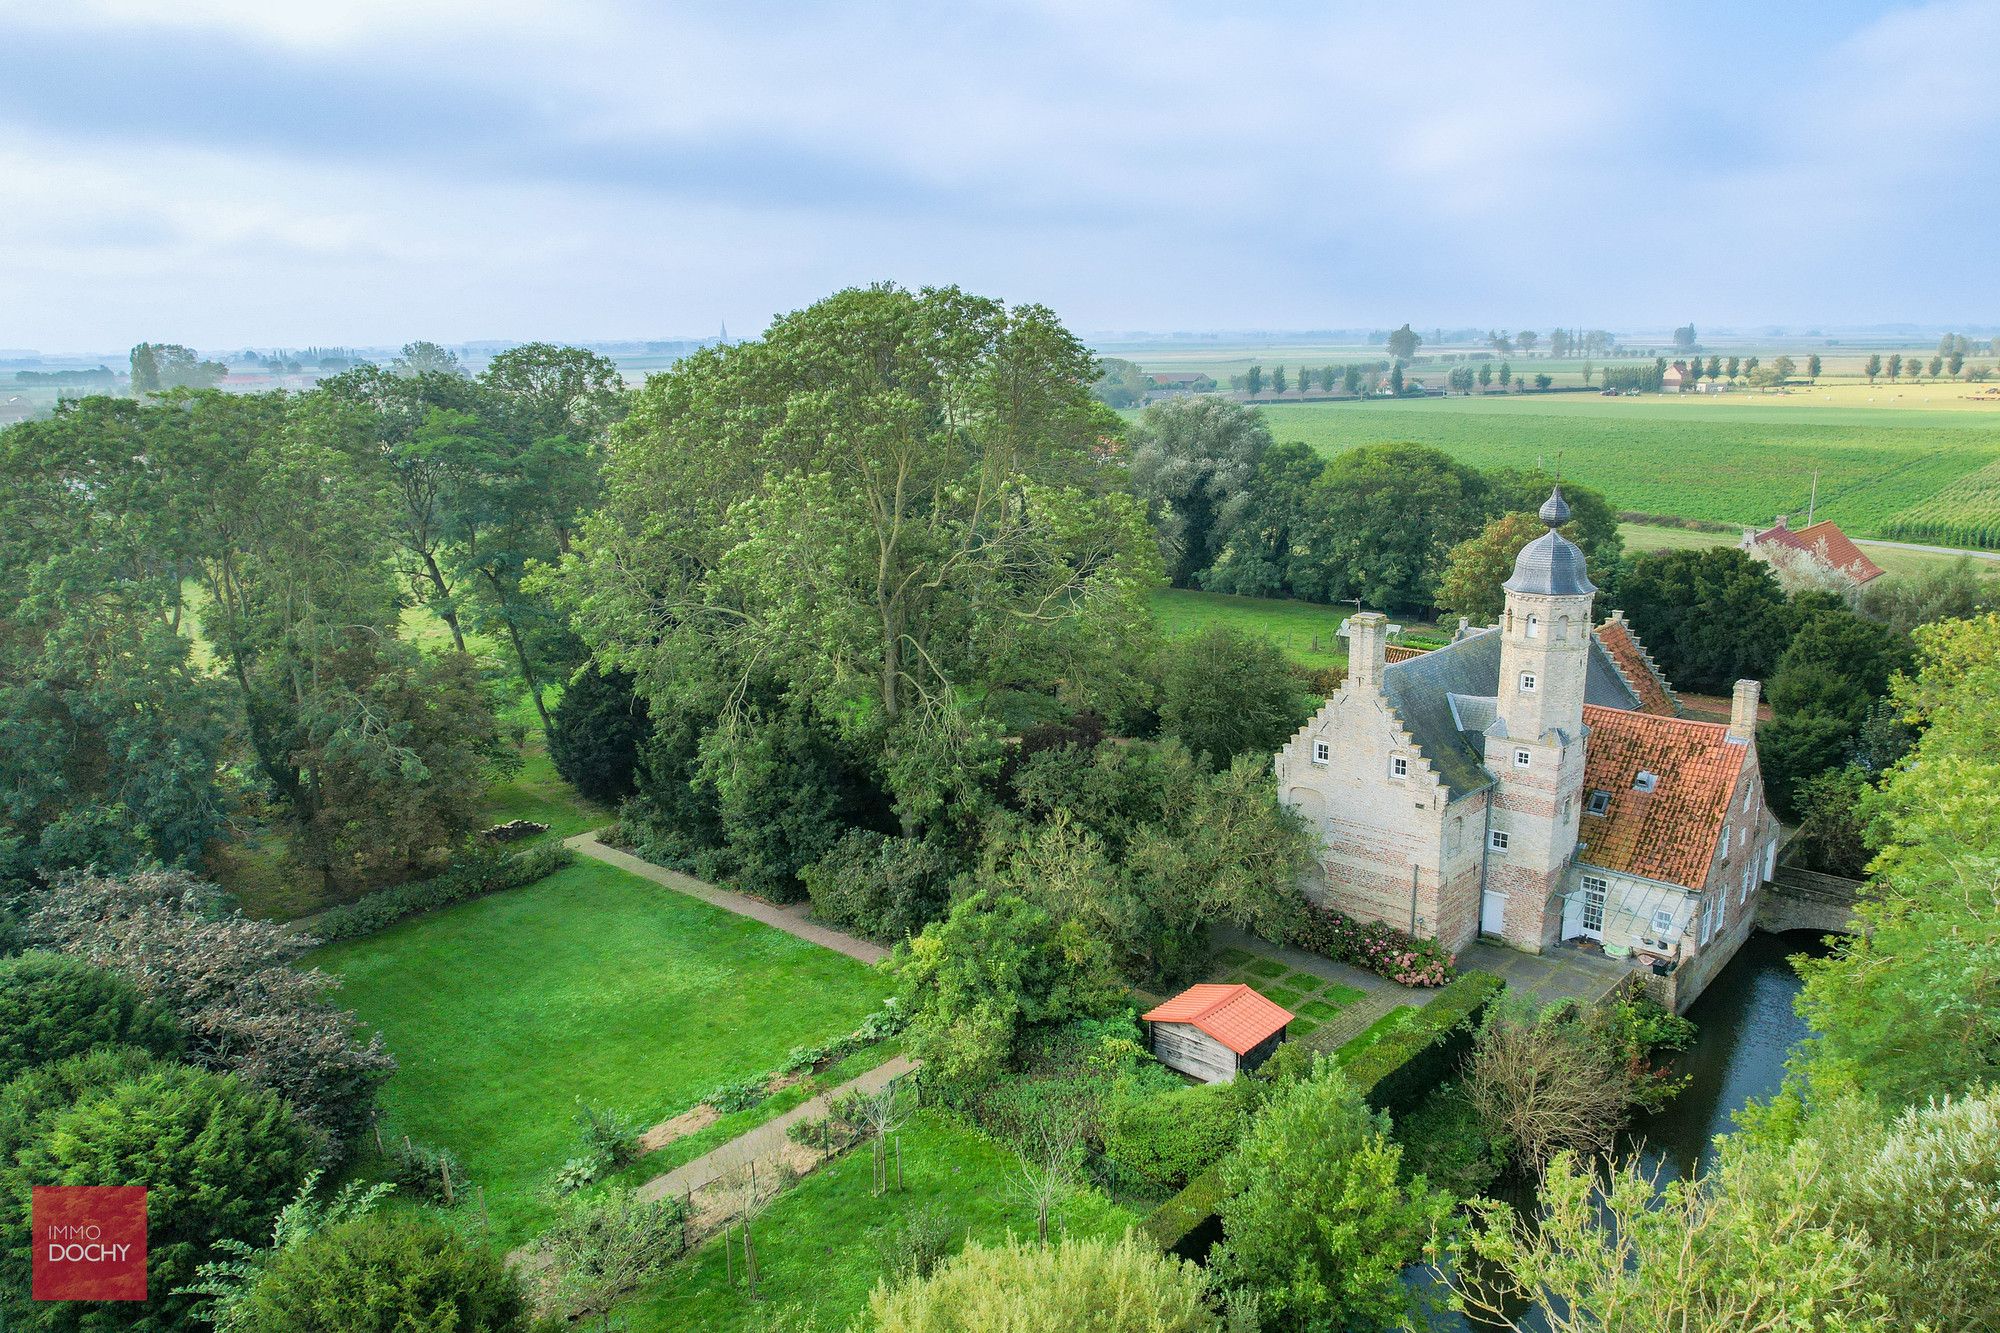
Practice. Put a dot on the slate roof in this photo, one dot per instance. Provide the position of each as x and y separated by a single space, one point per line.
1420 691
1669 833
1236 1016
1640 673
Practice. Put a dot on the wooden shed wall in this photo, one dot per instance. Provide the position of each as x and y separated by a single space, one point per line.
1187 1048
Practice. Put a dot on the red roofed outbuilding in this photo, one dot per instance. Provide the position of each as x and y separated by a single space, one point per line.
1215 1032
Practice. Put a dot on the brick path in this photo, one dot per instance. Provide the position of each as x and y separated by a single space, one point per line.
792 920
755 1145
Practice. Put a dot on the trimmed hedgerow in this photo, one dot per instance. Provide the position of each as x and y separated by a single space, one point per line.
1372 946
1410 1059
477 872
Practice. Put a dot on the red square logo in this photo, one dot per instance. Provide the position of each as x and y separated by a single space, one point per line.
90 1242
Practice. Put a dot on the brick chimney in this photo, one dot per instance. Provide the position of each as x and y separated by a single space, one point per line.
1743 711
1367 649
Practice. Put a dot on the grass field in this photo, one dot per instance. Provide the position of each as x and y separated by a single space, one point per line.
591 983
1733 462
821 1245
1305 630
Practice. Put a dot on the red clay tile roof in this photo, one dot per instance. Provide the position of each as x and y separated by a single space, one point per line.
1824 539
1618 640
1670 832
1844 554
1236 1016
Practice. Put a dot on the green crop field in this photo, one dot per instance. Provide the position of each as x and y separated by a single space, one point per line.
1965 513
1734 462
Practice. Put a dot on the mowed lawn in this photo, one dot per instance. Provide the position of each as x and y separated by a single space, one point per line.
590 984
822 1245
1735 461
1305 630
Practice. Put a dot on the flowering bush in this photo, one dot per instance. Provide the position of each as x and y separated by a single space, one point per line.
1372 946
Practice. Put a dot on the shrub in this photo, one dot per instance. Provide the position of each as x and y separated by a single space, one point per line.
217 1159
1076 1286
1372 946
595 734
1547 1082
231 983
474 873
423 1171
1226 693
602 1248
884 887
1168 1138
46 1089
740 1095
386 1273
916 1244
53 1006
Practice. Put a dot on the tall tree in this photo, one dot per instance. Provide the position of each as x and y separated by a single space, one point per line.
1874 366
891 497
1194 461
1812 366
1403 343
1710 616
1381 520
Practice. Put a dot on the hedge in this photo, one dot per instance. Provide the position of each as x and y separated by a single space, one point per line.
475 873
1407 1061
1394 1075
1372 946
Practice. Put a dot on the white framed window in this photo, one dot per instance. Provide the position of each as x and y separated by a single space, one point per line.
1527 682
1322 752
1724 853
1771 859
1646 781
1663 923
1399 767
1522 758
1748 873
1600 803
1497 840
1707 920
1534 626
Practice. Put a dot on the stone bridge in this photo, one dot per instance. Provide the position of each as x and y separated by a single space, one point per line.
1796 899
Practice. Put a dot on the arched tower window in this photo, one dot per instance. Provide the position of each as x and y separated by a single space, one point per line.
1534 626
1562 628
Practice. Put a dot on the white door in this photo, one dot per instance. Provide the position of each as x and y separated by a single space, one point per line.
1595 891
1493 913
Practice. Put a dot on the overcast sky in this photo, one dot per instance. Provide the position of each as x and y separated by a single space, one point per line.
260 172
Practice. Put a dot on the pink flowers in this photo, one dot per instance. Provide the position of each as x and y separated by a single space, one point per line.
1373 946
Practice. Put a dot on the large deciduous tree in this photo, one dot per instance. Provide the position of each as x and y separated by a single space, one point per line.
1195 463
1258 551
1226 693
889 500
1382 519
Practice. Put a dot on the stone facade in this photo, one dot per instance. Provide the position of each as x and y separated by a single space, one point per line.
1449 794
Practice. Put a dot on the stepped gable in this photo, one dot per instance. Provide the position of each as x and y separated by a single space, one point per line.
1670 832
1637 667
1421 690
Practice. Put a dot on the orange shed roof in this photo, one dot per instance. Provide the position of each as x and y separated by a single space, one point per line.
1236 1016
1670 832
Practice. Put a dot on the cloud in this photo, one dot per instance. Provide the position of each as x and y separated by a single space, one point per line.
372 171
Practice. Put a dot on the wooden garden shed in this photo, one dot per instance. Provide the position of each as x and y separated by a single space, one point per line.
1215 1032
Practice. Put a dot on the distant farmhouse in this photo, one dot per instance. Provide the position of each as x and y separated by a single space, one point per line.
1673 380
1181 381
1534 783
1824 543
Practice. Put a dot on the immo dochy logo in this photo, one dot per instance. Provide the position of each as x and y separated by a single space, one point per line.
90 1242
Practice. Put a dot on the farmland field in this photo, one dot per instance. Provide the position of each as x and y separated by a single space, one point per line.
1733 462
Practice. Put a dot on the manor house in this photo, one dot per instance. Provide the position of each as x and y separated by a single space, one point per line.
1535 783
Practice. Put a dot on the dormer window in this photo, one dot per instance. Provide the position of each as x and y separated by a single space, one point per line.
1534 626
1646 781
1600 803
1527 682
1399 767
1322 752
